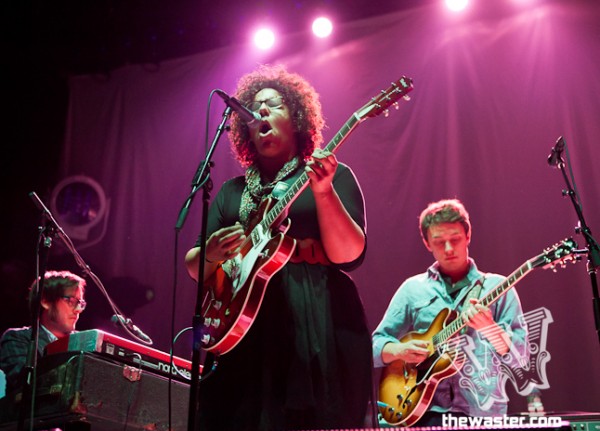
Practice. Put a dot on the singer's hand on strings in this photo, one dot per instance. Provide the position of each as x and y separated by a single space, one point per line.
320 170
225 243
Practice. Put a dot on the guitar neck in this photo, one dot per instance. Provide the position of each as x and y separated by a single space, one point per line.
302 181
495 294
376 106
503 287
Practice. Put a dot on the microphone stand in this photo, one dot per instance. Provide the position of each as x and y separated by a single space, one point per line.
29 377
201 180
129 327
593 251
53 228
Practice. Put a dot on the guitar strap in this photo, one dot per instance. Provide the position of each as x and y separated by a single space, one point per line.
255 192
282 186
473 293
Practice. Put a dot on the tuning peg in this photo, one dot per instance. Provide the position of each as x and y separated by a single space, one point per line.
406 97
386 113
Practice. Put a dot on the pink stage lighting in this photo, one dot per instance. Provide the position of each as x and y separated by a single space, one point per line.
264 38
322 27
456 5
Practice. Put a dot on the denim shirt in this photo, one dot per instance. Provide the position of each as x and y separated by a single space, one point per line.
478 389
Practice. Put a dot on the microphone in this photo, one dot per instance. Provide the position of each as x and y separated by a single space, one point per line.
127 323
555 156
252 119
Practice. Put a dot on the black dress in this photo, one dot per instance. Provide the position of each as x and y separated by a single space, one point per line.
306 361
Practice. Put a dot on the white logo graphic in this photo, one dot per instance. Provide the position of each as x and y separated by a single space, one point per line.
487 381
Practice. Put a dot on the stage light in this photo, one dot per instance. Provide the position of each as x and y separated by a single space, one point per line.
524 2
322 27
264 38
456 5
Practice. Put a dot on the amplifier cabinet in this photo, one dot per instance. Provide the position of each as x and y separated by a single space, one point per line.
110 394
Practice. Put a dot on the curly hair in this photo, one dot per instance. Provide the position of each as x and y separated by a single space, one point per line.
444 211
299 96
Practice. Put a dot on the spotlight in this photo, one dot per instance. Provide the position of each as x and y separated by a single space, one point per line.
456 5
322 27
264 38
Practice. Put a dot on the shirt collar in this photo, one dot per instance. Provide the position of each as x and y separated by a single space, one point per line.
50 335
433 272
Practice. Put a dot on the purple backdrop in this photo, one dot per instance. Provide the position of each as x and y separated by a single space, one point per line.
493 92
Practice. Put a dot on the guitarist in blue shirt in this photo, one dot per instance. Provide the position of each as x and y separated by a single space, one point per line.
492 337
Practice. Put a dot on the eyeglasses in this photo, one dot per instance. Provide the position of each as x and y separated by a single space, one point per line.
75 302
273 102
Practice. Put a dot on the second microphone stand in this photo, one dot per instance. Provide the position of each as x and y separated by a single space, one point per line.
593 251
201 180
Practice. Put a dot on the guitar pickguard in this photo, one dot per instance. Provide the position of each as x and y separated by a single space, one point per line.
239 269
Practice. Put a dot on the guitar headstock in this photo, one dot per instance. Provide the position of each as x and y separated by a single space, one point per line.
388 97
558 254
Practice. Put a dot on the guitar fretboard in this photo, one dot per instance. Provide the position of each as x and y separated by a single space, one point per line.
442 337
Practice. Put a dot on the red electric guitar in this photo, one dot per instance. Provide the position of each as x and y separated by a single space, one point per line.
235 291
406 390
